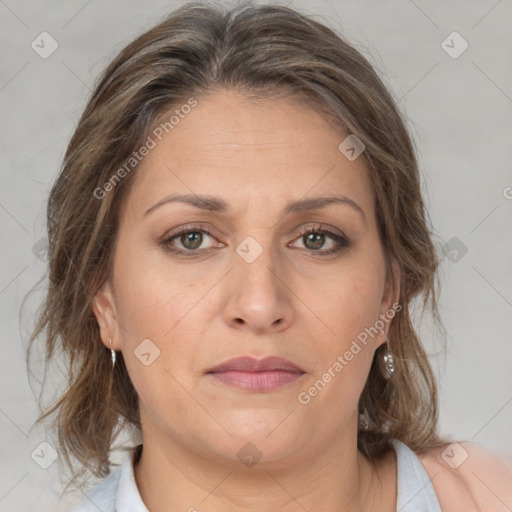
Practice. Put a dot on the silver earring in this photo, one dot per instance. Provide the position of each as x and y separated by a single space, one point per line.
363 422
389 362
113 353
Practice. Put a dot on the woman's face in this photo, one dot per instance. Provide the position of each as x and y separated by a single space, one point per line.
251 284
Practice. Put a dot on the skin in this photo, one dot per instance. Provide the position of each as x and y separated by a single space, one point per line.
293 302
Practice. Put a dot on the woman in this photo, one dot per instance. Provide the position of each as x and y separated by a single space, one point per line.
236 237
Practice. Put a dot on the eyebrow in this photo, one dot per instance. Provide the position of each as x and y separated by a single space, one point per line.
217 205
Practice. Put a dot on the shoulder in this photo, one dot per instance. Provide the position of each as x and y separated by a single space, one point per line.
102 497
467 476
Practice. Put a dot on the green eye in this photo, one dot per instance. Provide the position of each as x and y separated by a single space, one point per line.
191 238
315 238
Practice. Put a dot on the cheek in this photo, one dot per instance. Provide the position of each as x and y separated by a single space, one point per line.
350 300
151 297
159 346
153 306
348 307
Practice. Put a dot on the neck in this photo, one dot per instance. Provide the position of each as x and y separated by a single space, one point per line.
172 477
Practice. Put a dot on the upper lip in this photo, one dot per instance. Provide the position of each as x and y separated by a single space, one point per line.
250 364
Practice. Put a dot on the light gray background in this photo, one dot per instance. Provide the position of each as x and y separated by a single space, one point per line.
460 113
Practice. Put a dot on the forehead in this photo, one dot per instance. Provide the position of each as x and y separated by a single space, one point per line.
263 152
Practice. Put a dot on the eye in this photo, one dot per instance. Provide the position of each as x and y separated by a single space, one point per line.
314 238
186 240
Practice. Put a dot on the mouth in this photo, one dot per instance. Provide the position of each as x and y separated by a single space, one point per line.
256 375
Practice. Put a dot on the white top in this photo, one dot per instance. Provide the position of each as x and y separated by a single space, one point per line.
119 492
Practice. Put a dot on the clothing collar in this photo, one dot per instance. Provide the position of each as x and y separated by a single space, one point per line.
415 492
128 498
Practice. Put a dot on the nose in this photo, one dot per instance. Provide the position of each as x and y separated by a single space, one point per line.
260 299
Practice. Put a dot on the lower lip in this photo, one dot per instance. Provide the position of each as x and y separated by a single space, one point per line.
257 381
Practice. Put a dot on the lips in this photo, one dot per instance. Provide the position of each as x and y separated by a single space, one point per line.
256 375
249 364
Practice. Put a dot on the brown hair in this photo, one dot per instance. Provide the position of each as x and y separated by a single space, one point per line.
197 49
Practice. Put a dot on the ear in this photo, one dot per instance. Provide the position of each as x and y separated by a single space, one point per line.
390 297
104 309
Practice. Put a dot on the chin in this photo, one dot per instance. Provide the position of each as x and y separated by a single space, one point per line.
267 441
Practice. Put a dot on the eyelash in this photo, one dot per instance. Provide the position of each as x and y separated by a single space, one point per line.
341 241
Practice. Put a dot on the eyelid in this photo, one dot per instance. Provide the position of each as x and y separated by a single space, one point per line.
335 234
322 228
193 228
340 239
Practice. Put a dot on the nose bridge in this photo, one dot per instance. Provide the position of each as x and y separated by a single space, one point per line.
256 264
259 296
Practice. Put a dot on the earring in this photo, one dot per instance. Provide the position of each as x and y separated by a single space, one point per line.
113 353
389 362
363 421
